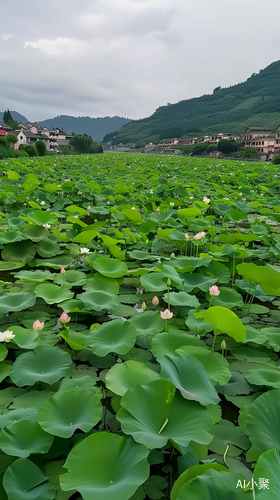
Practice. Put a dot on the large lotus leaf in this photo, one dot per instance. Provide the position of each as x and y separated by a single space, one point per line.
97 300
3 352
156 412
112 268
99 282
4 371
106 466
224 321
171 273
10 236
35 233
198 325
214 363
197 280
226 433
215 485
268 467
72 305
190 377
123 376
262 421
188 264
133 215
168 342
236 215
153 282
71 278
31 398
17 301
35 276
8 266
273 336
227 298
218 270
45 364
148 323
188 213
113 336
53 294
20 251
41 217
85 237
267 377
55 262
24 338
23 438
261 275
47 248
23 481
182 299
81 379
192 473
66 412
13 416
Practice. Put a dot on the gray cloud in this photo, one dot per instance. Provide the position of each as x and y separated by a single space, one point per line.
127 57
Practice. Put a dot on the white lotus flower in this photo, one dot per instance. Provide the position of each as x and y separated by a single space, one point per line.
85 250
6 336
47 226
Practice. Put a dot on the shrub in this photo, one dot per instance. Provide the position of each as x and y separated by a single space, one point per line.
276 160
41 148
31 150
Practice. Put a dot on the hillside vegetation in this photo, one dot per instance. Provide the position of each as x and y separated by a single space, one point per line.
95 127
255 102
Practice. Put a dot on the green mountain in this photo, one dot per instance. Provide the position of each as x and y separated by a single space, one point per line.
95 127
255 102
16 116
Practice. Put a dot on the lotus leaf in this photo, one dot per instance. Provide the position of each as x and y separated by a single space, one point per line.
120 467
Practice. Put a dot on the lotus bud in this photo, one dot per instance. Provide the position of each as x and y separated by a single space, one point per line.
62 270
223 345
173 255
155 301
168 281
64 318
187 236
144 307
38 326
214 291
88 208
147 241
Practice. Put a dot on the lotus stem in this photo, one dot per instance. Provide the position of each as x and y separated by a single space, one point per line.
163 426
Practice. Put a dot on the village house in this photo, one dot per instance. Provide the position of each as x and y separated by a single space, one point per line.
4 129
29 133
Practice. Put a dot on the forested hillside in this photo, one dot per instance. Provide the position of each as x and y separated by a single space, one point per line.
95 127
255 102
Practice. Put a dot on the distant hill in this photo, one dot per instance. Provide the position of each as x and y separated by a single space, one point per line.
95 127
255 102
16 116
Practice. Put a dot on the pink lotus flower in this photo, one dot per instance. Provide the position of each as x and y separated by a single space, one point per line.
187 236
155 301
166 314
200 235
88 208
64 318
38 326
62 270
214 291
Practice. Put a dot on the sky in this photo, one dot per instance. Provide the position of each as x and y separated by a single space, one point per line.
128 57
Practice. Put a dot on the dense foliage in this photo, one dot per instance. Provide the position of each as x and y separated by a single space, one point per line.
255 102
139 343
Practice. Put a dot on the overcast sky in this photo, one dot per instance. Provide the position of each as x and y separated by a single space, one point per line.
128 57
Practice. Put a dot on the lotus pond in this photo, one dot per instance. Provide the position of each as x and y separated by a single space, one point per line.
140 337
